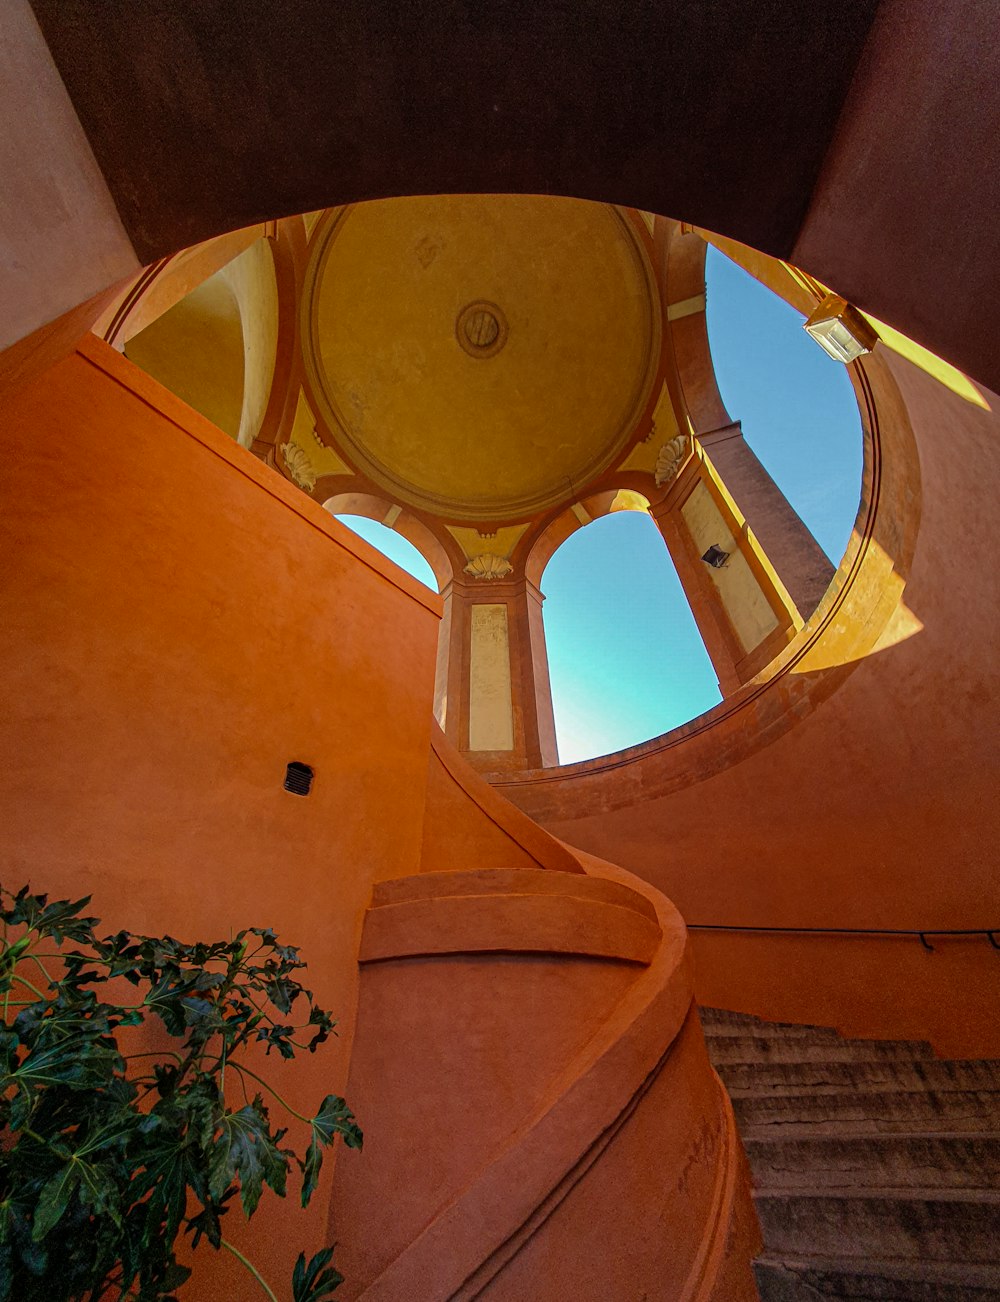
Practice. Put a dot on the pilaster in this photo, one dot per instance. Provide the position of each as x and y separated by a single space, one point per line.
804 568
493 696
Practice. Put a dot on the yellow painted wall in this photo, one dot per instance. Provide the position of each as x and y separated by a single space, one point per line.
491 723
748 609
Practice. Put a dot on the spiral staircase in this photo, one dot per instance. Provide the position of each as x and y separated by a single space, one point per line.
546 1122
876 1166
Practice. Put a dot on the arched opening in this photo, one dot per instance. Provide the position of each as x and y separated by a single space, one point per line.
392 545
196 350
626 660
216 347
796 405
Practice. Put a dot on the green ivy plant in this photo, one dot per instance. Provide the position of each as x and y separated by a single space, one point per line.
107 1155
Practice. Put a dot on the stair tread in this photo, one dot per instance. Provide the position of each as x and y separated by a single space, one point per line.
876 1165
933 1272
884 1193
774 1049
985 1136
747 1080
875 1105
852 1163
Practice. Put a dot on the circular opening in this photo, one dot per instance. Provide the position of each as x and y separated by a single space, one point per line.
481 329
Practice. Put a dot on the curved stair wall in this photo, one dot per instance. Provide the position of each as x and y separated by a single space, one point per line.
853 783
179 623
166 656
544 1121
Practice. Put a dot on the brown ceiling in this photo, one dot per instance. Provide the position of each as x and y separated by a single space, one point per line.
206 115
859 139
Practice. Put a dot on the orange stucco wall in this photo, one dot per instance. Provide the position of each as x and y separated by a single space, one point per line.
876 808
519 1073
180 623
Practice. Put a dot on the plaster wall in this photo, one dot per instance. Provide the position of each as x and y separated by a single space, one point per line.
54 201
876 808
744 602
196 350
251 278
536 1029
180 622
491 720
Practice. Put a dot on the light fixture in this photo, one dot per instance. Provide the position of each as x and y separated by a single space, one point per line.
298 778
715 557
840 330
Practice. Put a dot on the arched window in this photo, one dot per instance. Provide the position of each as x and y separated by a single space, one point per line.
391 544
626 660
796 405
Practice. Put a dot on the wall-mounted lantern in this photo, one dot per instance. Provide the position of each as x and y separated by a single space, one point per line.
840 330
715 557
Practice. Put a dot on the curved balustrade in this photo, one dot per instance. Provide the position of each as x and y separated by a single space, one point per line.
544 1119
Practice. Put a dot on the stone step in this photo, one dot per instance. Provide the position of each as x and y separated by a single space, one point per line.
726 1017
813 1047
754 1026
888 1112
905 1225
758 1079
819 1279
848 1164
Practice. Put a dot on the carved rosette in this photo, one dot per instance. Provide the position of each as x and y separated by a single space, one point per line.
299 466
672 456
488 567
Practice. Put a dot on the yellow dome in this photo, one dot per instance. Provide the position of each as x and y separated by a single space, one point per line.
480 356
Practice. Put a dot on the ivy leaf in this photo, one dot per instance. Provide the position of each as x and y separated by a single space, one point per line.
98 1190
54 1199
167 1169
334 1117
60 921
278 1037
9 960
115 1132
324 1023
247 1149
316 1281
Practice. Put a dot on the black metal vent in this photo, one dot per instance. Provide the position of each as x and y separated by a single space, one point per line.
298 778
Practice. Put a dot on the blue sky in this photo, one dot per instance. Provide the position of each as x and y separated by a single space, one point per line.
625 657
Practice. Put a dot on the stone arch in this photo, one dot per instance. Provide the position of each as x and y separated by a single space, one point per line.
197 350
401 521
206 322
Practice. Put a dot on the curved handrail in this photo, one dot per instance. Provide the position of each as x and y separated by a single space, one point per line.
991 933
470 1240
547 851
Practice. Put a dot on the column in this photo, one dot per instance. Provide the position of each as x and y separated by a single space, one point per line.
493 697
803 566
744 612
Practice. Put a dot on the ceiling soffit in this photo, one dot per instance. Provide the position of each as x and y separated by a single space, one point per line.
480 357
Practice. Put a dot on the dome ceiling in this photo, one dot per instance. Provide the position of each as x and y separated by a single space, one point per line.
480 357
